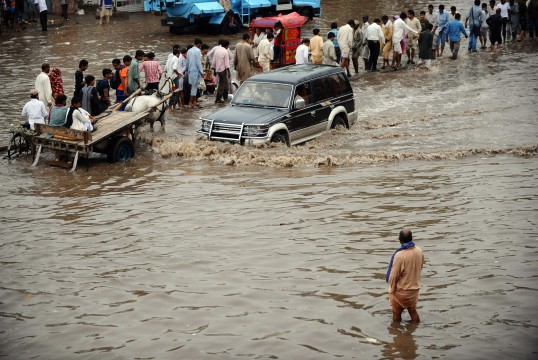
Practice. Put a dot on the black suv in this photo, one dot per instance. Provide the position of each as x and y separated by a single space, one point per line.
292 105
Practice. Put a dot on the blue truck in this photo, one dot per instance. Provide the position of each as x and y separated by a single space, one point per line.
213 16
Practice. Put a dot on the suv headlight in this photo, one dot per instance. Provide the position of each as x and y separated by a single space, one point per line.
255 130
206 125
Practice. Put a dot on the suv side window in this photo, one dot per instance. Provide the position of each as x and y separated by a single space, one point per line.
318 90
344 84
305 92
335 86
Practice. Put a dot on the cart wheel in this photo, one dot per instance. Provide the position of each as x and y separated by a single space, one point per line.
120 149
17 146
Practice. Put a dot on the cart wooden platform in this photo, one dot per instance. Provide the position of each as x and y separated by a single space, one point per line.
109 136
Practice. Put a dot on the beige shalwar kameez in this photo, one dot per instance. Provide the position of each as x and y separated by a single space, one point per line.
244 57
316 49
404 280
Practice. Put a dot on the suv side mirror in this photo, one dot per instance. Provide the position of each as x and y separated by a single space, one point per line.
300 103
230 98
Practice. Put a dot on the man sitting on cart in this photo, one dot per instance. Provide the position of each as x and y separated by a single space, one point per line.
77 118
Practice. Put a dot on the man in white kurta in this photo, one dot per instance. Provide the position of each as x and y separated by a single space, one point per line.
345 39
265 50
42 85
398 32
301 53
34 110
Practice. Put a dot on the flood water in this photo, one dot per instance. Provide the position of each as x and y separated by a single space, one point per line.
199 250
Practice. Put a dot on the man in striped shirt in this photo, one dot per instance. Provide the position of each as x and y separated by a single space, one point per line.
152 70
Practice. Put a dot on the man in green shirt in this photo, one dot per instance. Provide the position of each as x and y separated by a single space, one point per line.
134 73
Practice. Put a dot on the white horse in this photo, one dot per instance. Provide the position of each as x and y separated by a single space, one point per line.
148 100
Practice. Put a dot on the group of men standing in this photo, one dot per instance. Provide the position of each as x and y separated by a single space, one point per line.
425 36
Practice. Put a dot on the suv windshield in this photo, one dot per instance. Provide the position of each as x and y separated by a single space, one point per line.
263 95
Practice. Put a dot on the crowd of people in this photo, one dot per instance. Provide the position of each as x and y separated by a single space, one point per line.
187 73
195 69
421 38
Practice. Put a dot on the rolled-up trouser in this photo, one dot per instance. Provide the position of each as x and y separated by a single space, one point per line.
505 23
64 11
405 299
317 59
533 26
472 38
152 86
43 20
174 99
120 95
386 49
222 89
265 64
194 81
455 48
374 54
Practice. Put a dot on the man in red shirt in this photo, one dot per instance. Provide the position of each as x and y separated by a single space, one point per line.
221 64
153 72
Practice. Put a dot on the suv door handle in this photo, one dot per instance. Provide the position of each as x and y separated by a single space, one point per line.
313 113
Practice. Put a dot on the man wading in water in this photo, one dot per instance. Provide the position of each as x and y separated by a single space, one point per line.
403 276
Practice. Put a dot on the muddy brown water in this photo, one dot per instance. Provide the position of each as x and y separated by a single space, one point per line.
199 250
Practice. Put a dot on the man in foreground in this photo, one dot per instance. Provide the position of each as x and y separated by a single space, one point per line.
403 276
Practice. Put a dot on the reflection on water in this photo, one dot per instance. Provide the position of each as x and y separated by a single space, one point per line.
403 346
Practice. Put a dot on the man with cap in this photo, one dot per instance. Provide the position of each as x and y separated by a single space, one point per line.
34 110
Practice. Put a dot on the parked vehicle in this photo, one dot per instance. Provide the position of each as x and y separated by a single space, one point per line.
288 38
290 105
188 16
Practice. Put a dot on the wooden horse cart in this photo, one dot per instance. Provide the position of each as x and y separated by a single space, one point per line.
110 136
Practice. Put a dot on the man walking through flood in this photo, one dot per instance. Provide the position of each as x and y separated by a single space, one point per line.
345 38
403 277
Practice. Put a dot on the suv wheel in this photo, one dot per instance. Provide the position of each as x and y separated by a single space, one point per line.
337 121
280 137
